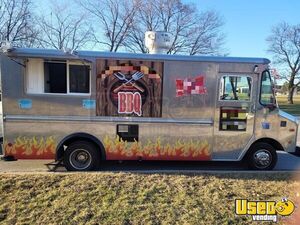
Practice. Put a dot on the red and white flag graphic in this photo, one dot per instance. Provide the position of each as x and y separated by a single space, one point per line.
190 86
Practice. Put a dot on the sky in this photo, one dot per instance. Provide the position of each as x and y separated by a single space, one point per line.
249 22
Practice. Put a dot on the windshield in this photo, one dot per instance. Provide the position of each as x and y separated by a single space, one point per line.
267 91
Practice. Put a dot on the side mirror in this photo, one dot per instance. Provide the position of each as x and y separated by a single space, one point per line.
271 106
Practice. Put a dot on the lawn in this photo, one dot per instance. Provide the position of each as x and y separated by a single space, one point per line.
126 198
293 109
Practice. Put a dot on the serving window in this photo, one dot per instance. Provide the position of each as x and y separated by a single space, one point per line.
57 77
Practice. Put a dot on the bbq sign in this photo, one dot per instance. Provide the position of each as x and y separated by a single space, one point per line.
129 103
129 88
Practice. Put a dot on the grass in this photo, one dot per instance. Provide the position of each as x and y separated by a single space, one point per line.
125 198
293 109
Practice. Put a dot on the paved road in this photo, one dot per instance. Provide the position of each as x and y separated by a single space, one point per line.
286 162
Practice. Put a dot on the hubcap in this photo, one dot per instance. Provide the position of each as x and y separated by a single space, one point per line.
80 159
262 158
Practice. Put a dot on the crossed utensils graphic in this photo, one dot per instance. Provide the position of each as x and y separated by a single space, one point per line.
136 76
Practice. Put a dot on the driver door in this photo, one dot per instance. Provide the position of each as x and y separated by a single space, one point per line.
234 115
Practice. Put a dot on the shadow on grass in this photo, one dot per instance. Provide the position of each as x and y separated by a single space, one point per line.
172 165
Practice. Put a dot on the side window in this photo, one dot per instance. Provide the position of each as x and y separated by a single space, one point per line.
79 78
235 88
266 90
57 77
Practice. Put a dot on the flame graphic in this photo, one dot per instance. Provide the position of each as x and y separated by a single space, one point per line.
31 147
117 149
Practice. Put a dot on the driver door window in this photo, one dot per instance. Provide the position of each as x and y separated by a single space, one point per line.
235 88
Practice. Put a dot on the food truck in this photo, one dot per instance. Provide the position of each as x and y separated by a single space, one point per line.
84 107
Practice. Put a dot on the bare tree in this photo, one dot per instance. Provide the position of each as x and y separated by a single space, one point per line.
147 19
193 32
205 37
114 19
16 23
284 44
64 29
177 18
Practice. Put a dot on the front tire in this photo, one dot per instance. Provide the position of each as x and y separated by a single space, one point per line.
81 156
261 156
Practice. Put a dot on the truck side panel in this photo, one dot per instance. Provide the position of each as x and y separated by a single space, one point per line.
184 131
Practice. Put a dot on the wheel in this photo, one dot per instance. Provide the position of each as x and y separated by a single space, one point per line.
261 156
81 156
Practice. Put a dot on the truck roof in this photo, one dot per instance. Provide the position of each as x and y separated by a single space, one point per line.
59 54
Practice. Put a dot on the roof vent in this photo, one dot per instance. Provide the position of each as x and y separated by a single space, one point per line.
158 42
69 51
6 46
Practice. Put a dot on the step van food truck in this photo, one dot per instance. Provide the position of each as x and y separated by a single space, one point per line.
85 107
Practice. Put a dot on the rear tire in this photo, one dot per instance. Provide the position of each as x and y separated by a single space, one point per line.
261 156
81 156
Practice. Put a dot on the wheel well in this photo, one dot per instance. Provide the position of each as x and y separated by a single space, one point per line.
275 144
78 137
